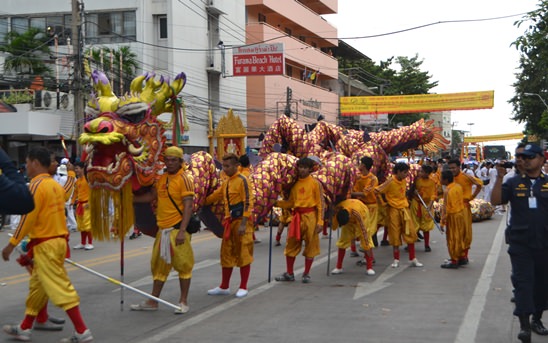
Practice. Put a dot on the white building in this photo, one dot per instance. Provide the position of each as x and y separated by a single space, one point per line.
168 37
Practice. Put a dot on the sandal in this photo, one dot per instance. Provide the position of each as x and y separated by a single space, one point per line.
143 306
184 309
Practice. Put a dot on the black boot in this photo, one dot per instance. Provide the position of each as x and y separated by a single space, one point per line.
524 334
375 240
537 326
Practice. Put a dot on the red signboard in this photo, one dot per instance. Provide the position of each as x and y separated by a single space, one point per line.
258 59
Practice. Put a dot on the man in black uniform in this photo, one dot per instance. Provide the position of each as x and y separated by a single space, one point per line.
527 237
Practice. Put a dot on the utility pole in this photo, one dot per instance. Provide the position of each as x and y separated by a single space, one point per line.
77 84
289 95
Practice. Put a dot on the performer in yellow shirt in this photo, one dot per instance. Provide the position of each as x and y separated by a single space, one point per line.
364 190
306 200
352 215
237 242
398 218
174 192
83 214
245 170
452 217
466 182
426 189
46 227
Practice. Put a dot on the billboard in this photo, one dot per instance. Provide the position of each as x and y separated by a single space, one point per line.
258 59
397 104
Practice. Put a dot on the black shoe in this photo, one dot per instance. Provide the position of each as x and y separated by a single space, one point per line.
406 248
375 240
278 243
524 336
285 277
463 261
56 320
133 236
384 243
449 265
419 235
427 249
538 328
306 278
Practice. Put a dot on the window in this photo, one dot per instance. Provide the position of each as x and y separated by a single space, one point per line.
110 27
262 18
19 25
302 38
162 22
288 31
3 29
288 70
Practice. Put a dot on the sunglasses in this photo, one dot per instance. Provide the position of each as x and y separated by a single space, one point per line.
526 157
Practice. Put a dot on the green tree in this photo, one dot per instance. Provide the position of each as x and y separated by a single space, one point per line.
532 77
26 52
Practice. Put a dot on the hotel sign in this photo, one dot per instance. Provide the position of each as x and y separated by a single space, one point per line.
258 59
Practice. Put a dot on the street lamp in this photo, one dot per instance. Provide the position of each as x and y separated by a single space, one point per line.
470 129
536 94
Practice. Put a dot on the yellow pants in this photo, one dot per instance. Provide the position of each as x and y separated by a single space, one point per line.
455 234
308 235
372 219
237 251
83 222
421 218
49 279
467 225
400 225
349 232
182 259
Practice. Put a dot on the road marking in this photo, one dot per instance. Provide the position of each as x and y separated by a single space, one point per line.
366 288
166 333
173 275
469 327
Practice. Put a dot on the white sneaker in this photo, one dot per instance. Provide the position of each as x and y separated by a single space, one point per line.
79 337
17 333
241 293
183 309
416 263
395 264
218 291
78 246
88 247
337 271
370 272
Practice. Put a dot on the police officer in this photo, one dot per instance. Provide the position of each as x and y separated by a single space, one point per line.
527 237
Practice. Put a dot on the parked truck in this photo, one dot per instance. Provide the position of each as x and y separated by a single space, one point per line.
495 152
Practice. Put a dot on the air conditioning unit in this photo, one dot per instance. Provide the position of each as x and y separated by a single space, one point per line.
66 102
49 101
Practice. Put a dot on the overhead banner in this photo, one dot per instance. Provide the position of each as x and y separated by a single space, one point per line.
490 138
258 59
397 104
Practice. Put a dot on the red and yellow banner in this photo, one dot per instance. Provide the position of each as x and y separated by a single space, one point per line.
490 138
397 104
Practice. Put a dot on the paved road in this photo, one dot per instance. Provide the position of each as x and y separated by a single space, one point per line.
407 304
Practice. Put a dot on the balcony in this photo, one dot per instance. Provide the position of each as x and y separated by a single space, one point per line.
296 15
297 51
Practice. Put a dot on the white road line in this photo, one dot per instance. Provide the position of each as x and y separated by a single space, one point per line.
469 327
171 331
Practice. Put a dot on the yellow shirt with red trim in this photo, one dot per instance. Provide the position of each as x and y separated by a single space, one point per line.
245 171
365 182
82 189
48 217
394 192
239 190
426 188
453 198
358 212
466 182
179 185
305 193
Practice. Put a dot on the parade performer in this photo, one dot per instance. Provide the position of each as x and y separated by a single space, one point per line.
306 200
527 237
47 230
398 217
353 217
284 219
466 182
364 190
237 242
426 189
452 217
245 170
15 197
174 193
83 216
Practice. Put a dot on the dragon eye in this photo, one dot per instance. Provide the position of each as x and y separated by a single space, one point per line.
135 117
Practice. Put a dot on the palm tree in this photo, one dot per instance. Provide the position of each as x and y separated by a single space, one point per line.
26 52
129 64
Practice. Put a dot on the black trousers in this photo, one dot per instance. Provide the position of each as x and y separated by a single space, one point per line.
529 278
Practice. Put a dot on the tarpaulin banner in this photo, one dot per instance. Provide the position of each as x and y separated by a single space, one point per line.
398 104
501 137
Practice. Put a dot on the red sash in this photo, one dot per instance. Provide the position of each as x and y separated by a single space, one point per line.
295 225
80 208
226 224
26 260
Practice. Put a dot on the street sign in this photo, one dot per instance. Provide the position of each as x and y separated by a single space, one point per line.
258 59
